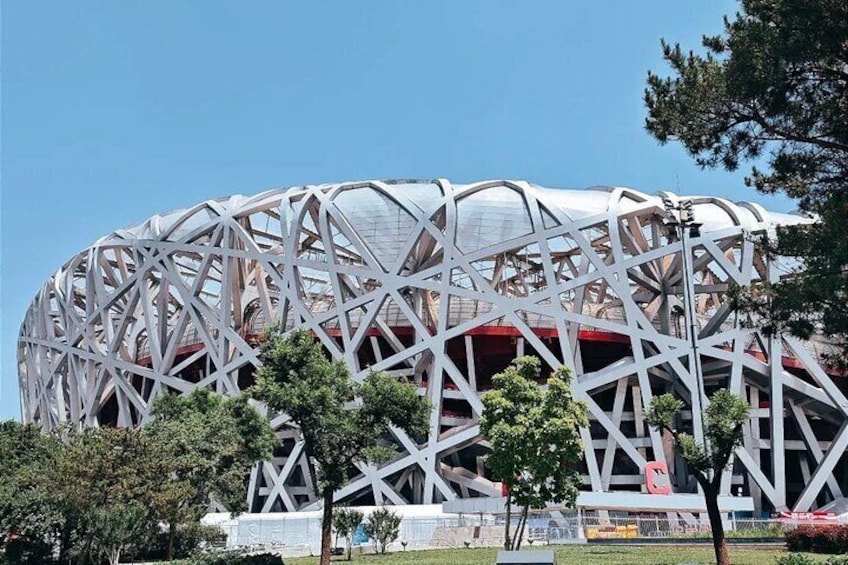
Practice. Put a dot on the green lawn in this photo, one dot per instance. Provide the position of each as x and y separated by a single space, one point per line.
578 555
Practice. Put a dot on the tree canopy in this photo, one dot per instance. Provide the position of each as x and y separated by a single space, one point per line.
95 493
105 479
535 438
773 89
723 420
383 526
345 522
341 421
207 445
29 508
86 492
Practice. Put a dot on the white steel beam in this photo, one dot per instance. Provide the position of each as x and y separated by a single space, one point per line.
423 278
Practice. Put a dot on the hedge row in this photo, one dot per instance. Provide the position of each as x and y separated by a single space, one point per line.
818 539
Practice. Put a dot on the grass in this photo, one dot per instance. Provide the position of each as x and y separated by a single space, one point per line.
582 555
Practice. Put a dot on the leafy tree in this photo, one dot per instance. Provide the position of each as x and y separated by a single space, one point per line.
62 486
341 421
104 481
98 491
117 527
345 522
535 438
773 88
383 526
723 420
190 537
29 509
207 445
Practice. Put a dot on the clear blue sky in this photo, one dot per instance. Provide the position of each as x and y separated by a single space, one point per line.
114 111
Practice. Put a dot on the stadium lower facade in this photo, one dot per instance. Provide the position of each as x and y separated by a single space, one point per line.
445 285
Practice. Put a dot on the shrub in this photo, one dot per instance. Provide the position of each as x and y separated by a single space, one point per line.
25 551
795 559
235 558
383 526
189 538
818 539
345 522
837 560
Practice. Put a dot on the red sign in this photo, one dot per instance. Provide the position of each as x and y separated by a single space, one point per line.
653 469
815 516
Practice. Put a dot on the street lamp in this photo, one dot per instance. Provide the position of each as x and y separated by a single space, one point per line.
681 221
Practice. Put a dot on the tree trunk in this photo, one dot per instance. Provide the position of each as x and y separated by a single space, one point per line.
523 525
85 554
515 533
507 539
64 541
722 554
349 539
172 535
520 534
327 526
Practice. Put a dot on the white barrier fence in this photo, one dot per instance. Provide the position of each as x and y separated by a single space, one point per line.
300 533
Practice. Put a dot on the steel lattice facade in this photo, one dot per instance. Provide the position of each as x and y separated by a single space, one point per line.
444 284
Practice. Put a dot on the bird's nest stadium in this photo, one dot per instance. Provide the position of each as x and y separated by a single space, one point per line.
445 284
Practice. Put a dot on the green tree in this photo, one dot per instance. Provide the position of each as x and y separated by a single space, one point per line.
29 509
535 438
773 88
99 473
117 527
341 421
345 522
61 486
207 445
383 526
723 420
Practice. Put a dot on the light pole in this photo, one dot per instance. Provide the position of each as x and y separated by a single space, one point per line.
682 219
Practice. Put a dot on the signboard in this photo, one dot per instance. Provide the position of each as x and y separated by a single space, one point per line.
815 517
359 535
654 470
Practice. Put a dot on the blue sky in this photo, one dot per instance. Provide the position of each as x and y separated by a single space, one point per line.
115 111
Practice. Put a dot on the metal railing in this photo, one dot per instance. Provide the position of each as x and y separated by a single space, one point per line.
292 535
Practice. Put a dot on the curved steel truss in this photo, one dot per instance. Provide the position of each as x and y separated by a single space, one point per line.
444 284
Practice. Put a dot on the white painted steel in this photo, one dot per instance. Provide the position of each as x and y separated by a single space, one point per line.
398 271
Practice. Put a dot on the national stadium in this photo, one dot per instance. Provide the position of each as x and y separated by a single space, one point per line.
445 284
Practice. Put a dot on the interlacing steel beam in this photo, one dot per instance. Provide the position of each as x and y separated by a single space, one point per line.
444 284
